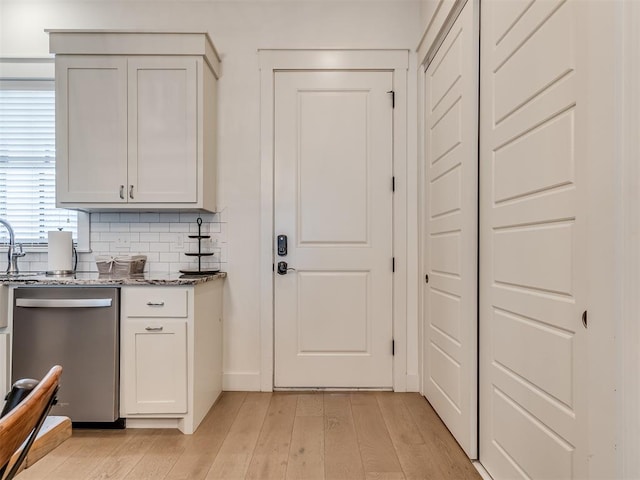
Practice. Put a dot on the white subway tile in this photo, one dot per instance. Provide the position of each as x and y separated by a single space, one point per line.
169 217
162 236
139 247
100 247
158 267
179 227
100 227
152 257
190 217
139 227
120 227
110 236
109 217
193 228
176 247
169 257
129 217
150 217
159 247
150 237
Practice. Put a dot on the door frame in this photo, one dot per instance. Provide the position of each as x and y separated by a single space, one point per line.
271 61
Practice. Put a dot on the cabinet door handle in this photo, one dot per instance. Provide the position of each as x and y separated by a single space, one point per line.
131 191
153 329
155 304
122 192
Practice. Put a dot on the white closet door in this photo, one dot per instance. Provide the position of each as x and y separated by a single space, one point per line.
451 154
533 358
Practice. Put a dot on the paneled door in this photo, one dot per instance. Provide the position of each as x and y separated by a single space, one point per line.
533 358
451 222
333 201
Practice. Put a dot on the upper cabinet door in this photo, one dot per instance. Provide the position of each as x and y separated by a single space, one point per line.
163 129
91 138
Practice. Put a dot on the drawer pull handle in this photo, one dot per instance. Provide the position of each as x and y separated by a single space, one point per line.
153 329
155 304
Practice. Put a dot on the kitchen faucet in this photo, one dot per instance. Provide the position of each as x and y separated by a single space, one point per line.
12 253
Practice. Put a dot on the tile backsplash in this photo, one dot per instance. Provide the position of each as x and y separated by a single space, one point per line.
162 237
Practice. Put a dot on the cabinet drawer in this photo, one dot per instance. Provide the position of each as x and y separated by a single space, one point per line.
155 302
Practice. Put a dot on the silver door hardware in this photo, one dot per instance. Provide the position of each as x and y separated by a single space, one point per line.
153 329
155 304
584 319
131 191
122 192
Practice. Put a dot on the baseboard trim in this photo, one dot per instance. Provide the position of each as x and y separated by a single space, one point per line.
251 382
241 382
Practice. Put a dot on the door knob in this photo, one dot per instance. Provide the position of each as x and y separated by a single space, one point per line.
283 268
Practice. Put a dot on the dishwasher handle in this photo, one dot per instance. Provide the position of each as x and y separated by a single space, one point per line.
63 302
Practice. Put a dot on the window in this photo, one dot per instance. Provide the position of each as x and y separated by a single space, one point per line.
27 163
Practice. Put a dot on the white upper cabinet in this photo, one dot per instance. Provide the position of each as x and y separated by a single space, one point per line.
135 120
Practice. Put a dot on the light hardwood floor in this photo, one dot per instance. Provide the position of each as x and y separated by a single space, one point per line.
343 436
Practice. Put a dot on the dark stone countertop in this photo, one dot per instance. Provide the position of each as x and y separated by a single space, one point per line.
94 278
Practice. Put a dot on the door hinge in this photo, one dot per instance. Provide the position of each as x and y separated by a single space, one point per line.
393 98
393 184
393 347
393 264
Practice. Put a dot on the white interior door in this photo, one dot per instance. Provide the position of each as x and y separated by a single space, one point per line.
333 201
451 217
532 243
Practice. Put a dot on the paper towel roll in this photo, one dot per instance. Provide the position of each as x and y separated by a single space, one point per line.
60 253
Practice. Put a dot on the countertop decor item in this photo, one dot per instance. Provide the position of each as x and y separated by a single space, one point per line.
60 253
121 265
200 254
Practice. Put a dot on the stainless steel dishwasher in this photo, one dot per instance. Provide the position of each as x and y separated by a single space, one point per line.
77 328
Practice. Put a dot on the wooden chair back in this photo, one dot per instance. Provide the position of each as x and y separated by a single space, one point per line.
23 422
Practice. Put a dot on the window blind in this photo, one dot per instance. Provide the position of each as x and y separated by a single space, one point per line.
27 163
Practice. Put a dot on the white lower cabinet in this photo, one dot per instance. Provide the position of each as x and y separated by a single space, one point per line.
171 354
155 374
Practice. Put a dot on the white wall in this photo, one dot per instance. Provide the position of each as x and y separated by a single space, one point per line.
239 28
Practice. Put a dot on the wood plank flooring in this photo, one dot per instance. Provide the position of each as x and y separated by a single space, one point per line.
252 435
